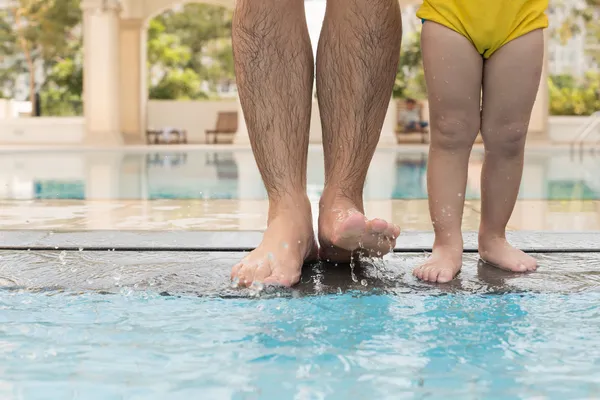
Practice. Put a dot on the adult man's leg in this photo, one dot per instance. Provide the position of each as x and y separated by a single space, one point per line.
357 61
274 68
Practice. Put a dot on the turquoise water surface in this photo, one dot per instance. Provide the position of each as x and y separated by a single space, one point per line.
141 345
204 174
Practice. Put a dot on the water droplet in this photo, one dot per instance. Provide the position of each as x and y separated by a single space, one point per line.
285 245
81 249
339 290
363 282
257 287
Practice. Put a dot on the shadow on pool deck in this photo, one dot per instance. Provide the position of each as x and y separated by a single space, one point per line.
198 263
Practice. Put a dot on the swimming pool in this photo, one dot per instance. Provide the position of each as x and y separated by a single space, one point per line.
129 325
145 314
232 174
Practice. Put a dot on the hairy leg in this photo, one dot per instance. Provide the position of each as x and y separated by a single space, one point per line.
510 85
453 72
274 68
356 66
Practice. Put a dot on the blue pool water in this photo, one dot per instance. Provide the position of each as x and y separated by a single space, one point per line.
204 174
140 345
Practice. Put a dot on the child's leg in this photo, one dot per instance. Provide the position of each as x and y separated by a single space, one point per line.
510 84
453 72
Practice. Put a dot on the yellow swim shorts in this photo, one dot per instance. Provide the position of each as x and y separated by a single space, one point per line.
487 24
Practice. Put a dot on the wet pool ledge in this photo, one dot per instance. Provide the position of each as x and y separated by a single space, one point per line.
234 241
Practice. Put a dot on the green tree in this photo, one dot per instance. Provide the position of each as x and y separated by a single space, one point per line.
187 48
570 97
168 61
410 78
62 90
40 32
206 31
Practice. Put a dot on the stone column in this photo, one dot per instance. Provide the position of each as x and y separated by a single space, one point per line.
538 125
101 72
132 46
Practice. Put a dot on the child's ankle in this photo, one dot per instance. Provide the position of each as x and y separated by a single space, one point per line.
449 241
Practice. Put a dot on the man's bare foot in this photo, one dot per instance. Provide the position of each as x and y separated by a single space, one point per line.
499 253
344 231
287 243
442 266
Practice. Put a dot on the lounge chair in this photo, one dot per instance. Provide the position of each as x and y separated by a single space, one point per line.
157 136
225 129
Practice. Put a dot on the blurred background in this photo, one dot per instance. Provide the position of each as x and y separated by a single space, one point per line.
119 72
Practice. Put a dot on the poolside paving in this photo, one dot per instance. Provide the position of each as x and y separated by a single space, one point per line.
198 263
243 215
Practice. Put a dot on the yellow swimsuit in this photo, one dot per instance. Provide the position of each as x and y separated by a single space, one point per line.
487 24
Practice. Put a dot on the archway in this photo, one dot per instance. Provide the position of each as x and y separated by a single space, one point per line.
114 81
190 71
115 92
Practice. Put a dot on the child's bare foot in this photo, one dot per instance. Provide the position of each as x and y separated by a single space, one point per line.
287 243
344 231
442 266
499 253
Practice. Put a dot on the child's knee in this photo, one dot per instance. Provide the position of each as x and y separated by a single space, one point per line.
454 133
507 139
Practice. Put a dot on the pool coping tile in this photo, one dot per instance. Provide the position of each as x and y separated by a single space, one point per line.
409 241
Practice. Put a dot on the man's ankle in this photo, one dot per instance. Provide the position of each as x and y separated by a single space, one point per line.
332 194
